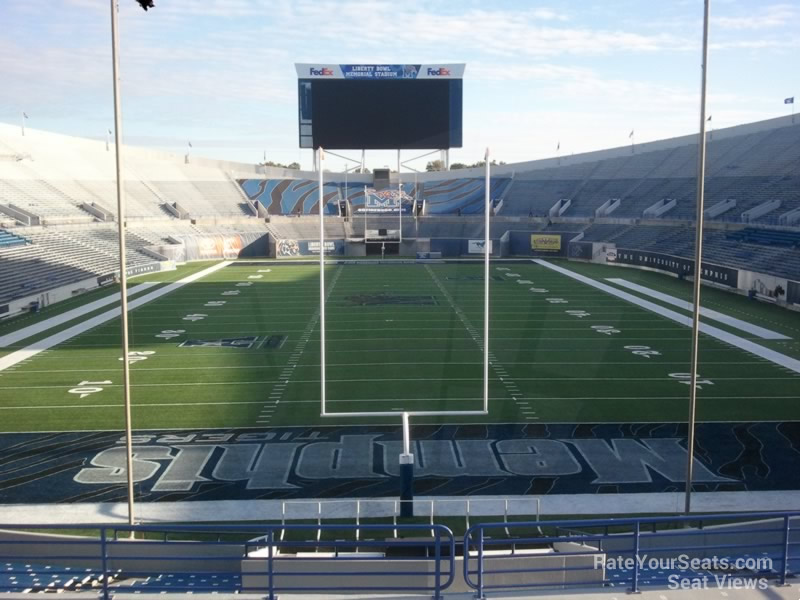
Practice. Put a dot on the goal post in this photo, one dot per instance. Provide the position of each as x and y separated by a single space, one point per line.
406 458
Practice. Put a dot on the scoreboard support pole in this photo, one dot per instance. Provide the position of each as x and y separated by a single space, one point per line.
399 199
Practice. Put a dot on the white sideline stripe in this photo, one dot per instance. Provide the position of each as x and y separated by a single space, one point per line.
89 513
761 332
62 336
31 330
734 340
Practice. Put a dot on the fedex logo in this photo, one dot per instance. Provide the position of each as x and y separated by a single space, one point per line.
324 72
440 72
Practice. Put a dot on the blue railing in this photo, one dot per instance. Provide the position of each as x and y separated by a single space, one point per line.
661 551
505 556
203 561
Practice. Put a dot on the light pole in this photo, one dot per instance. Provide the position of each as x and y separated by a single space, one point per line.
698 265
123 275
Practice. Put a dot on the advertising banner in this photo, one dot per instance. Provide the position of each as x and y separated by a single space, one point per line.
581 250
680 266
376 72
290 248
477 246
546 242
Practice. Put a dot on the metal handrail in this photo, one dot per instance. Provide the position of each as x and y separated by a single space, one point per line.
479 571
103 556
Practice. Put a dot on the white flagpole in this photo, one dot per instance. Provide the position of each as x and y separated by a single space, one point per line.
698 265
486 241
23 123
321 157
123 275
365 220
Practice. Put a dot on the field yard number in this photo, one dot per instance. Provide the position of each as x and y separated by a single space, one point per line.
85 388
606 329
644 351
557 301
265 270
215 303
170 333
195 317
539 290
578 313
254 276
244 284
687 379
231 293
138 356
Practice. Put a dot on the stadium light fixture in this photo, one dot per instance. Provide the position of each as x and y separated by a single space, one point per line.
698 263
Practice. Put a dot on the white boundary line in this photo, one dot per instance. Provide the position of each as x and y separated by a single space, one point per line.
551 504
761 332
62 336
734 340
31 330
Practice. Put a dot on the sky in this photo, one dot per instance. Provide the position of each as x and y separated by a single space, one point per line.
220 73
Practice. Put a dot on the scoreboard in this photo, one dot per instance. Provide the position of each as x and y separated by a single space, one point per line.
380 107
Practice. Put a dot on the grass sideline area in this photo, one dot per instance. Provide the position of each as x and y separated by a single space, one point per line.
240 348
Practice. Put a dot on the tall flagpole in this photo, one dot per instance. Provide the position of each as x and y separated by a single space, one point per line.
320 158
365 220
486 243
698 262
123 276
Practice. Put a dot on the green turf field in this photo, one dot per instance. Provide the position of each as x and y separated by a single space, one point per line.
399 337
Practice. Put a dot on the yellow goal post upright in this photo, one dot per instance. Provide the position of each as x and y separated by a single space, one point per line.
406 459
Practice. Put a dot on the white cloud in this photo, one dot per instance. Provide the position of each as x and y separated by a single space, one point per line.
768 17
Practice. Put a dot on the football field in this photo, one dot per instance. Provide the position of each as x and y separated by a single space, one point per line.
240 347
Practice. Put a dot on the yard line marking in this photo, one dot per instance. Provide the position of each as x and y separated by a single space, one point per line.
67 334
286 374
493 362
644 365
721 335
31 330
761 332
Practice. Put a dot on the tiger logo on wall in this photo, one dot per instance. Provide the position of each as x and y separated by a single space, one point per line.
288 248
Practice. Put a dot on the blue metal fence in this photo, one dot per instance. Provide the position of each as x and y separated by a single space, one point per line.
198 558
629 553
633 552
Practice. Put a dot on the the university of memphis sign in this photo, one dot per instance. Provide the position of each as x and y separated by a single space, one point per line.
359 461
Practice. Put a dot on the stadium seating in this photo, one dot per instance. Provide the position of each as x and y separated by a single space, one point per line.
8 239
767 237
68 185
752 168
